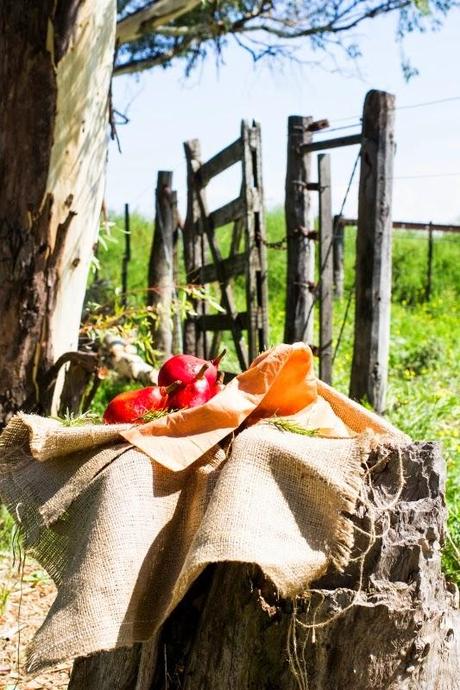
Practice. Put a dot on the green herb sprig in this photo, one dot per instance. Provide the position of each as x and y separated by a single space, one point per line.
283 424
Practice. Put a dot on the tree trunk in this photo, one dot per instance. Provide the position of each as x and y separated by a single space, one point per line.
55 69
399 631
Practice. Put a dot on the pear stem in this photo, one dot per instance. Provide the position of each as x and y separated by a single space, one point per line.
173 386
219 358
201 372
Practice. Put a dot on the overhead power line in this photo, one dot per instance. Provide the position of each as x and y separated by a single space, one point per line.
413 177
406 107
422 105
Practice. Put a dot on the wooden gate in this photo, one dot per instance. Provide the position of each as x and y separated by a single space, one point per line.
203 255
372 288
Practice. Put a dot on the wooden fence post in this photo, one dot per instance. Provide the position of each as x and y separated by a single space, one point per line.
373 252
326 273
194 341
338 249
256 273
126 258
160 276
177 344
429 274
300 249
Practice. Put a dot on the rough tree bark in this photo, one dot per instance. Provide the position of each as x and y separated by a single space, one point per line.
55 69
401 633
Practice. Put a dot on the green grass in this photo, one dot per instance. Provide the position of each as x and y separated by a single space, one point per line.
424 381
6 530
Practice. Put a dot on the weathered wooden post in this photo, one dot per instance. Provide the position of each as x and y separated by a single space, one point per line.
126 258
300 248
194 341
326 272
373 252
338 249
160 275
429 273
254 212
177 344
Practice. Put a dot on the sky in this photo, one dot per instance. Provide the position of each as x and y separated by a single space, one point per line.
165 109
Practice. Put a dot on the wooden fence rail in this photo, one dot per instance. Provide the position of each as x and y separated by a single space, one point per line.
430 228
409 225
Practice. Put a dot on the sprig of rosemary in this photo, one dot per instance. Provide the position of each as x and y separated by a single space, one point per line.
283 424
70 419
151 415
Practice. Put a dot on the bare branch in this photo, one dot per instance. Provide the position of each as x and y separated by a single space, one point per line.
148 18
134 66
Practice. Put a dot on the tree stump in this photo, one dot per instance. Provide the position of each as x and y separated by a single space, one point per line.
390 621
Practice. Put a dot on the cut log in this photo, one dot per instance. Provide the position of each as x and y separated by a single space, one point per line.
393 620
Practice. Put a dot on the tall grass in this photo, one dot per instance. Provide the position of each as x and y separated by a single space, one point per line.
424 380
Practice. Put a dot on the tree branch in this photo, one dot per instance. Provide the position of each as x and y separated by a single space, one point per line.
134 66
269 26
148 18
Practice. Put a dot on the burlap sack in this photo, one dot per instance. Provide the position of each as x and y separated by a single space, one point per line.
124 537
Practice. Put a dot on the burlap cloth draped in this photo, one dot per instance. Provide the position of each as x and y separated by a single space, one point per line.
124 519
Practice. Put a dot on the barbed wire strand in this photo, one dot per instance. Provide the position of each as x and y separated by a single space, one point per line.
344 321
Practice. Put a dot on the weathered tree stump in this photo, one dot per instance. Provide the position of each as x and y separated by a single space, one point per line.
393 620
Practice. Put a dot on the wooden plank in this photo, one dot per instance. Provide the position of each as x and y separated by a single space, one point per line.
223 322
161 267
227 213
318 125
259 256
373 252
233 266
438 227
194 339
409 225
237 236
256 276
336 143
300 250
220 162
326 268
338 256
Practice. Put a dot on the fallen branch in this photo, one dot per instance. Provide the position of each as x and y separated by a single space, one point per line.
122 357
